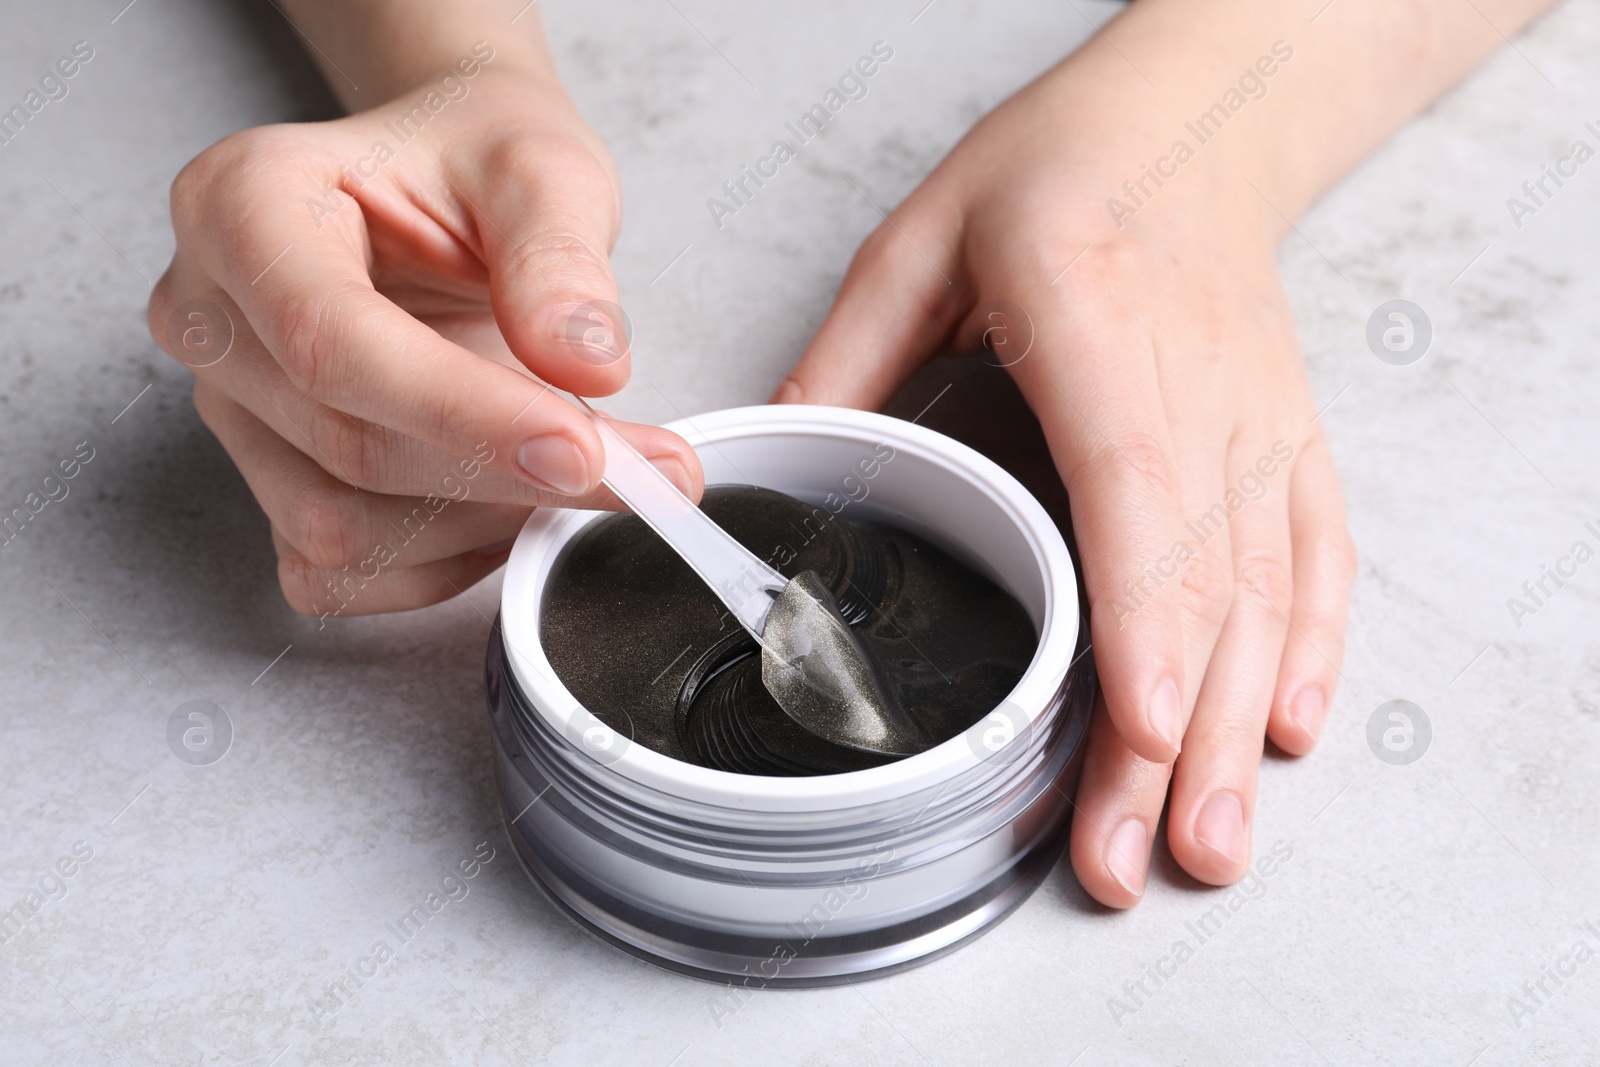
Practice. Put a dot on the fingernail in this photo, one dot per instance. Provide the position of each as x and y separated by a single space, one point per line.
1128 855
1308 709
495 549
597 331
556 463
1166 713
1220 827
674 472
788 393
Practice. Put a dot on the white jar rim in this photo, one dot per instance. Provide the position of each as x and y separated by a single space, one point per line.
985 516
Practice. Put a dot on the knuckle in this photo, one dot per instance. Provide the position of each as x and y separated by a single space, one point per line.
236 166
1269 577
190 187
304 344
882 252
1138 460
347 448
556 169
524 154
319 526
559 254
297 579
1234 726
1111 272
1116 260
1147 457
308 341
261 153
163 302
547 160
877 250
1324 627
1207 588
887 255
445 418
432 588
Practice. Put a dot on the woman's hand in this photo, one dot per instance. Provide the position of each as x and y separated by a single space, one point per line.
372 306
1164 369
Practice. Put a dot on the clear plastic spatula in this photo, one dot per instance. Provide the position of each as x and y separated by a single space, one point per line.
745 584
811 662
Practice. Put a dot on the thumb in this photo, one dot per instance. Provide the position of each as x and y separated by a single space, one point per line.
547 213
894 309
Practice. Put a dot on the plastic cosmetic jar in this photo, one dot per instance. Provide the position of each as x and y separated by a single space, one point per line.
801 881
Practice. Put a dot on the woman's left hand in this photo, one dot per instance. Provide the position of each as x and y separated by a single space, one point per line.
1165 372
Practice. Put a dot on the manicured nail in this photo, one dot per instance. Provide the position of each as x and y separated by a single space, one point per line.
495 549
1308 709
1220 827
1166 713
1128 855
674 471
555 463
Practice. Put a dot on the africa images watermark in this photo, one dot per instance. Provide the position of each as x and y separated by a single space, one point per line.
852 488
1252 85
852 889
852 86
53 488
1538 592
453 87
199 732
48 888
1253 486
348 583
1141 989
1566 168
52 87
453 888
1537 993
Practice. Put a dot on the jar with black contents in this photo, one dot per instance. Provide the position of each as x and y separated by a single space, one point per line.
683 817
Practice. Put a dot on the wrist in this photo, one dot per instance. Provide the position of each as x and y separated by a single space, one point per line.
373 51
1144 161
404 76
1260 95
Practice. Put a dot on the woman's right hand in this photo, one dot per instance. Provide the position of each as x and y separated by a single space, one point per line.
372 306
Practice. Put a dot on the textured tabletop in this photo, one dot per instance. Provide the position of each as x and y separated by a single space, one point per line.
1440 911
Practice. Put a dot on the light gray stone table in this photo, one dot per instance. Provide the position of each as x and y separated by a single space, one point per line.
220 902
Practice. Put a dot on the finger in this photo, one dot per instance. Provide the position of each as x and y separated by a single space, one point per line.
376 587
546 211
893 310
1205 577
335 526
1324 571
1115 814
306 293
359 453
1094 389
1214 783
